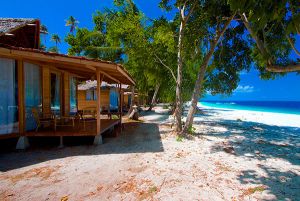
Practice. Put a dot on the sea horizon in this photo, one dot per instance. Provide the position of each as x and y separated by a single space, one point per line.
283 107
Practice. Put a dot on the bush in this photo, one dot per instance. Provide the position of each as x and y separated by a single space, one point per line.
192 130
144 105
165 107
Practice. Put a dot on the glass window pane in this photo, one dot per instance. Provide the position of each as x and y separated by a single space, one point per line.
73 96
88 95
9 118
33 93
55 94
94 95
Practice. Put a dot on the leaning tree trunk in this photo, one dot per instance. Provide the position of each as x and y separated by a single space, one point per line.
154 97
179 80
132 100
198 85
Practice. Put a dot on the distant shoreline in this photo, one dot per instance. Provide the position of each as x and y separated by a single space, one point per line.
269 118
280 107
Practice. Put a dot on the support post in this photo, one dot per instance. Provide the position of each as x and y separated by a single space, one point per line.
98 137
23 143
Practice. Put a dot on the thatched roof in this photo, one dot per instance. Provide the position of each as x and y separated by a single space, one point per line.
92 85
7 24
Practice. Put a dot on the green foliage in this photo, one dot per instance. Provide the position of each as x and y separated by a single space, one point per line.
55 39
115 117
144 105
179 139
192 130
53 49
165 107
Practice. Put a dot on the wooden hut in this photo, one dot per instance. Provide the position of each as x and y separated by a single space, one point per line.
87 95
31 78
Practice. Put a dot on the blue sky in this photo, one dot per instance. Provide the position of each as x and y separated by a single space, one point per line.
53 14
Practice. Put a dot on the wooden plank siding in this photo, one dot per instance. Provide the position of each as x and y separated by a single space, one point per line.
66 95
83 103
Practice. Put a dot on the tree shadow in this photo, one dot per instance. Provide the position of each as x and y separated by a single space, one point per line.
263 143
135 138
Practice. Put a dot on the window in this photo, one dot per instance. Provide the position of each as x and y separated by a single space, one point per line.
94 95
73 95
33 93
9 118
88 95
56 94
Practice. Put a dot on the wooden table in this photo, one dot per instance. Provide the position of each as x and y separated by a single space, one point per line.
64 117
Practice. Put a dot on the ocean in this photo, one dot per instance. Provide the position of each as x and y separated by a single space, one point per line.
285 107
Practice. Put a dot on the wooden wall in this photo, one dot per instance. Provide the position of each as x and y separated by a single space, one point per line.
66 94
46 82
83 103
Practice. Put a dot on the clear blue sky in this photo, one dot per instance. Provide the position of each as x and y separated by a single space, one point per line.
53 15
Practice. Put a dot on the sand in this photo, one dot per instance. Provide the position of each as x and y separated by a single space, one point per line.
236 155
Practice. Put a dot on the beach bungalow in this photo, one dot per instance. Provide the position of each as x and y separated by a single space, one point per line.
33 80
87 95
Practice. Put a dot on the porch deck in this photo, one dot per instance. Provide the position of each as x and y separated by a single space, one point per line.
91 129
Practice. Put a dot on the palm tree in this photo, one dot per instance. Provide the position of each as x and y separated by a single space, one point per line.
55 38
74 24
44 31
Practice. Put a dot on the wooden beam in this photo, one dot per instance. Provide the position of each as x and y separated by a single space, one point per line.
52 67
98 102
121 103
126 75
21 92
109 76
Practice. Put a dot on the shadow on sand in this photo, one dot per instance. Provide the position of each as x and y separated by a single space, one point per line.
135 138
263 143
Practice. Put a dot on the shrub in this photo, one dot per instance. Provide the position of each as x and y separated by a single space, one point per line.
144 105
191 130
165 107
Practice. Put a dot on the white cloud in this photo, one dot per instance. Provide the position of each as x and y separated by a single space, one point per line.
208 92
245 89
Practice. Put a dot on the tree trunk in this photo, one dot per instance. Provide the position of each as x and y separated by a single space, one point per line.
179 80
132 100
198 85
154 97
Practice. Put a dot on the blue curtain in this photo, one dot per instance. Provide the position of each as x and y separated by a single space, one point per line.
9 122
55 94
73 95
129 99
88 95
113 99
33 93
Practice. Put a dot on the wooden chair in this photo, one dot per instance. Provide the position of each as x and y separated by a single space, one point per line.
42 117
89 114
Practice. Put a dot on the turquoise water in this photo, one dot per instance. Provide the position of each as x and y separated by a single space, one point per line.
285 107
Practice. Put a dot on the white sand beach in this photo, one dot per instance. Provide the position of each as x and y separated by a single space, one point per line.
251 159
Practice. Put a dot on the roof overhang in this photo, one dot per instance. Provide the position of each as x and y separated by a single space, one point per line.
81 67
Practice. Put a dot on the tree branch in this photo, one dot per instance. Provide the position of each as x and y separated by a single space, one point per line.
271 67
281 69
259 44
290 41
191 11
165 66
293 15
